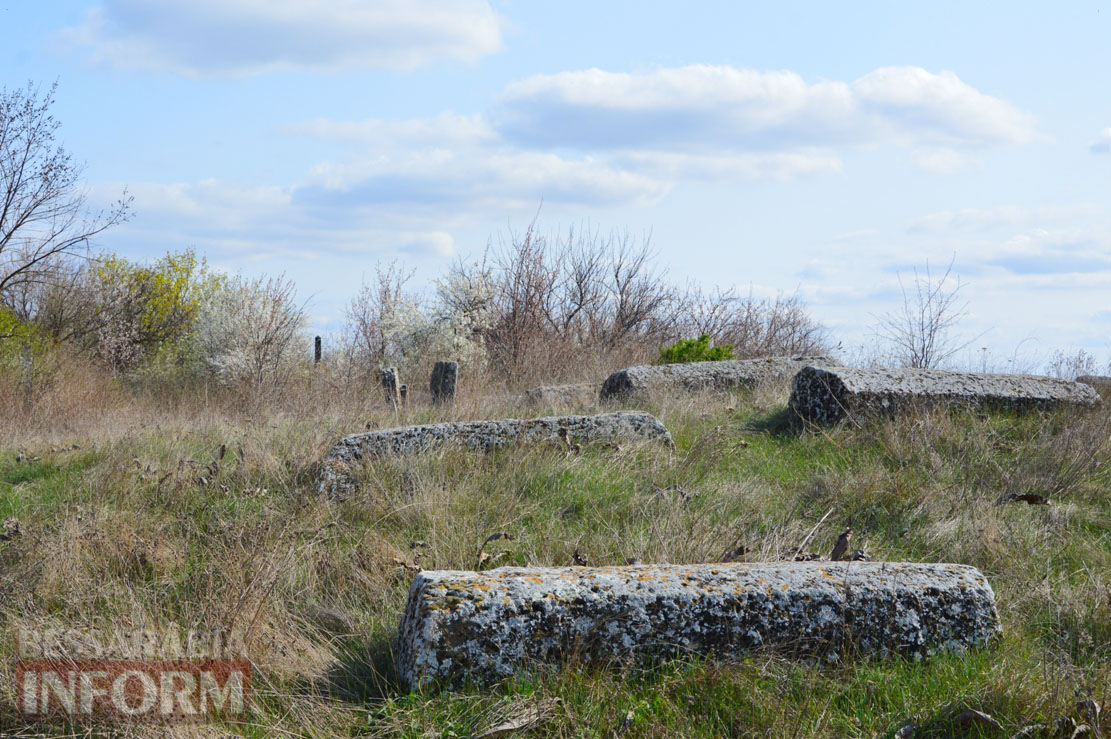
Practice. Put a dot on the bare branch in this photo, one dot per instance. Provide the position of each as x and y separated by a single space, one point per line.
44 215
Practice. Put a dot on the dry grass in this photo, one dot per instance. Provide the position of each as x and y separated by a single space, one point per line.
124 532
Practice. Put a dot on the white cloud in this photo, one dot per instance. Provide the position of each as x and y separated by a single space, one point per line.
861 233
940 160
434 243
381 205
452 161
243 37
253 223
1035 255
1102 144
744 166
508 179
598 138
1053 252
446 130
1001 216
713 107
920 105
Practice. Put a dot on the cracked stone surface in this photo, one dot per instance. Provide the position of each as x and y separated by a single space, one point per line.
336 477
696 376
826 395
484 626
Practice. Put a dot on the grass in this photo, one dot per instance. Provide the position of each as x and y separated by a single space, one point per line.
123 531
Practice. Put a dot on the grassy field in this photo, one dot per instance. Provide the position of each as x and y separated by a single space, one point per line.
133 528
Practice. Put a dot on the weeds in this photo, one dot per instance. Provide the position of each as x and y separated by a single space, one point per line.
146 524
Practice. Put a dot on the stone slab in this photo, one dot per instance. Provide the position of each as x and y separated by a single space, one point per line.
699 376
827 395
484 436
484 626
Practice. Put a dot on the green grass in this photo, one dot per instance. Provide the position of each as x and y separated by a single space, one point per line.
124 530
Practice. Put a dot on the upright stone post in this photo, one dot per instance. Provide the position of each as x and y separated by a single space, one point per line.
316 351
390 385
442 385
404 392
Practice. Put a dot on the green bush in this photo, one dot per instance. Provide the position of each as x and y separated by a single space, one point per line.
146 314
17 337
694 350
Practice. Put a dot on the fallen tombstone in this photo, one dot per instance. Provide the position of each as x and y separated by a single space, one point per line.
480 627
554 396
826 395
697 376
483 435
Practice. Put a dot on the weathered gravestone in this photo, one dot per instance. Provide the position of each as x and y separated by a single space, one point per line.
484 626
336 477
827 395
391 385
741 374
442 384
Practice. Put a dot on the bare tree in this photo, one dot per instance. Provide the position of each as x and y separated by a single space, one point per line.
525 288
638 292
553 302
580 289
919 333
44 216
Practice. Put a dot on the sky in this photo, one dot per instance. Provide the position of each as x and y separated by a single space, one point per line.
827 150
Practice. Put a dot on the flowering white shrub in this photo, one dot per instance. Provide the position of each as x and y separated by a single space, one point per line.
388 327
116 334
468 297
414 335
248 331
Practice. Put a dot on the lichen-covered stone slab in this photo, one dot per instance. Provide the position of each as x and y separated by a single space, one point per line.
336 476
484 626
553 396
828 394
698 376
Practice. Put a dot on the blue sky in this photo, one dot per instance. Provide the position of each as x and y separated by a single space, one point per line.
777 147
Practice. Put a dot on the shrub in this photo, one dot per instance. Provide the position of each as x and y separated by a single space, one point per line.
248 331
16 334
388 327
754 327
694 350
1071 366
122 312
540 310
147 310
920 333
